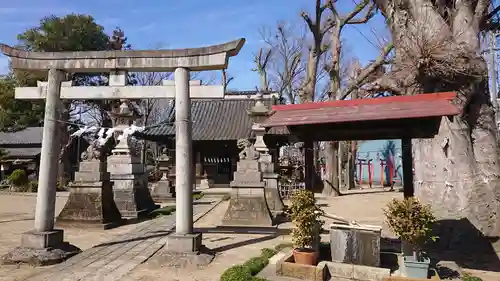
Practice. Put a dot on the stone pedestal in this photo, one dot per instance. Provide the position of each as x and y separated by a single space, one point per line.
184 243
248 206
206 183
183 251
163 190
131 196
273 198
91 198
41 248
358 245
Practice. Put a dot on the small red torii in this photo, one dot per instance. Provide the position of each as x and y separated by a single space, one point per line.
365 162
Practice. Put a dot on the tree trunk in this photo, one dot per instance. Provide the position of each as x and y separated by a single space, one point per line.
457 172
330 183
309 88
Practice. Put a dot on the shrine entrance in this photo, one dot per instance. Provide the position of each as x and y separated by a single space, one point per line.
401 117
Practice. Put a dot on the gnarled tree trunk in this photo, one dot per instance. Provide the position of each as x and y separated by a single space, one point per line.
437 49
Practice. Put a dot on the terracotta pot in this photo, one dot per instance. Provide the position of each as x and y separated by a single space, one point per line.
305 256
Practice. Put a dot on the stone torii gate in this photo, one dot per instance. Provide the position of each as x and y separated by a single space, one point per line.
45 242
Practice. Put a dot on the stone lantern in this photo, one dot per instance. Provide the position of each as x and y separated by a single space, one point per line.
130 185
259 113
163 190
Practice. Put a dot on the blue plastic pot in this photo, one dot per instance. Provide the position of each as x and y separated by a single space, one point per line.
416 269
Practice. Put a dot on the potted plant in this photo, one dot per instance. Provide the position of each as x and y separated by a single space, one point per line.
305 234
412 222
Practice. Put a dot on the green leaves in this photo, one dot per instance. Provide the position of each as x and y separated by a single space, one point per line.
305 214
410 220
17 114
73 32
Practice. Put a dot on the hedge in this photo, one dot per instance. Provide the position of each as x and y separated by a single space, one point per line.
248 270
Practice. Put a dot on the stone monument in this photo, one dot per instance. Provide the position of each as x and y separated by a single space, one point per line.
131 194
248 206
91 196
355 244
163 190
259 113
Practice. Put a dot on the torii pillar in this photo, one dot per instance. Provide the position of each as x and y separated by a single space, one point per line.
45 244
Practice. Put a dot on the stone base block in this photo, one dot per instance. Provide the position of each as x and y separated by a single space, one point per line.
90 205
163 191
247 211
41 240
183 243
183 251
134 203
41 248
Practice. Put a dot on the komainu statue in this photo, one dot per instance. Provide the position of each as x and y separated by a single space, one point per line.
93 152
247 150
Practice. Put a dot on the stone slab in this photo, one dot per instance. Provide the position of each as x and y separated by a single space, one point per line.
248 165
355 245
92 166
40 257
356 272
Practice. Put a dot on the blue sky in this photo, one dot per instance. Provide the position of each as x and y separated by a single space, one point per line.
186 23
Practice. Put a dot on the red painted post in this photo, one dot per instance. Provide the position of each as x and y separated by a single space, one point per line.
382 164
370 172
360 162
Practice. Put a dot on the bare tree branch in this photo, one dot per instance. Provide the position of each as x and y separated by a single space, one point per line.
349 18
226 79
285 67
480 11
365 72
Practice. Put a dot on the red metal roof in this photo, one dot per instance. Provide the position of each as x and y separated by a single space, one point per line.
386 108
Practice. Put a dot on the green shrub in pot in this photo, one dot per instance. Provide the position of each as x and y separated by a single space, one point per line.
412 222
305 217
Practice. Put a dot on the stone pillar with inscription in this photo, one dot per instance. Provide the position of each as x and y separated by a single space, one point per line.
259 113
248 206
163 190
131 195
90 200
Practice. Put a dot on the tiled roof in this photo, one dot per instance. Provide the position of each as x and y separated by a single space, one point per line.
22 152
218 119
376 109
30 135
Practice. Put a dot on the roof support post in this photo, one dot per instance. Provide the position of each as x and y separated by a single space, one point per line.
408 188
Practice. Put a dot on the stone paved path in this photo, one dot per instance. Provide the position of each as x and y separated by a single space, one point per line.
116 258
